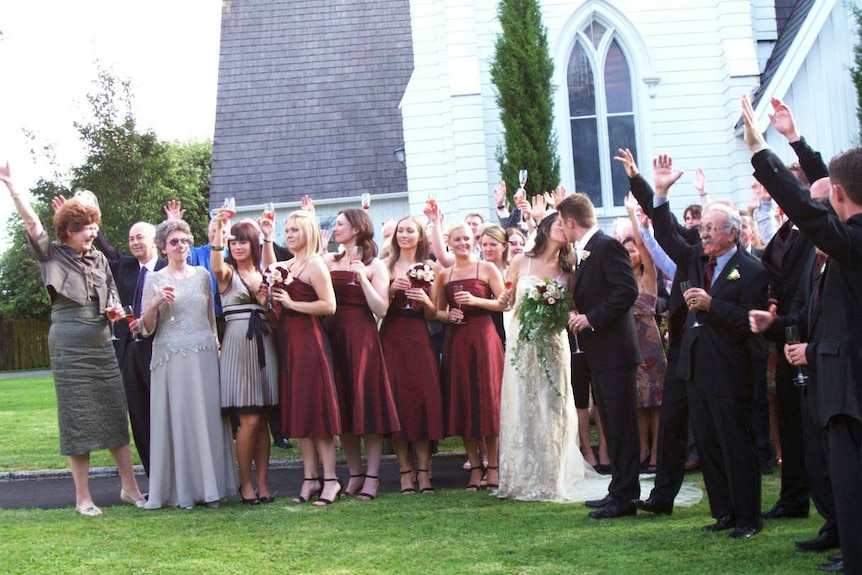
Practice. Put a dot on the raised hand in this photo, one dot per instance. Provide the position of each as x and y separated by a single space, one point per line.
558 195
307 204
57 201
265 228
6 175
700 181
174 210
628 161
663 174
753 136
537 209
500 194
631 203
781 119
433 213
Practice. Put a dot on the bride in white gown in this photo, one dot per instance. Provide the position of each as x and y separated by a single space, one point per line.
540 456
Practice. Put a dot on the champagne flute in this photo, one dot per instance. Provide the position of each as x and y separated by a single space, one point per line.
431 202
408 303
170 306
113 315
455 289
365 199
684 286
508 285
356 252
522 177
577 349
130 318
269 212
230 206
791 335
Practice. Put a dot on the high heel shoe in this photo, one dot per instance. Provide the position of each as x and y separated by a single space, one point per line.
492 486
478 485
299 498
347 492
363 496
321 502
408 490
125 497
428 490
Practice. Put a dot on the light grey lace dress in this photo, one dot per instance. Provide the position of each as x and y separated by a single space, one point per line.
192 457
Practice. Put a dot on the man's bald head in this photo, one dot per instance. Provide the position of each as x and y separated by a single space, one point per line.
820 188
142 241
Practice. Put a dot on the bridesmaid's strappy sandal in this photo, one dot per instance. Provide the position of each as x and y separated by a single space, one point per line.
321 502
428 490
367 496
348 493
408 490
299 498
492 486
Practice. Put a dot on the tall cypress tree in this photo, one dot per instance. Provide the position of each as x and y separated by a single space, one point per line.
522 71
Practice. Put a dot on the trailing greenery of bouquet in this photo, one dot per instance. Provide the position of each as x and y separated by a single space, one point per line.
544 310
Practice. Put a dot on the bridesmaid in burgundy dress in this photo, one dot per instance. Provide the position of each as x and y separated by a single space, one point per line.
410 357
361 283
309 409
472 367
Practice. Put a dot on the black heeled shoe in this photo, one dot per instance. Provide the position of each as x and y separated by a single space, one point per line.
492 486
348 493
252 501
300 499
428 490
367 496
321 502
476 486
408 490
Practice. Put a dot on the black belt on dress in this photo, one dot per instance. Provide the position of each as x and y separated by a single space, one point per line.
257 328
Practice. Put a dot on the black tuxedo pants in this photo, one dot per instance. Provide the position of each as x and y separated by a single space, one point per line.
817 465
795 492
136 380
672 433
728 455
615 395
845 466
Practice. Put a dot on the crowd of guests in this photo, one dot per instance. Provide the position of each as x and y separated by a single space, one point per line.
350 345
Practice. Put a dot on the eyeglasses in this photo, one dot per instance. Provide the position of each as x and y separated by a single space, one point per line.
709 228
177 241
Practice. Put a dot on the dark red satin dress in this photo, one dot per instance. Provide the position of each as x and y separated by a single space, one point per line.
412 366
472 368
309 407
364 392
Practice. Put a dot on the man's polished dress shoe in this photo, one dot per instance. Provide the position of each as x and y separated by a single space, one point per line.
835 557
614 510
743 533
837 567
653 505
778 511
599 503
721 524
824 540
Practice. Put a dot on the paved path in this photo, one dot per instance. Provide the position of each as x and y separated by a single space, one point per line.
23 374
55 490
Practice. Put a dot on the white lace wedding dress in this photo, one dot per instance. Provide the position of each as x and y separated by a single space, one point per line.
540 456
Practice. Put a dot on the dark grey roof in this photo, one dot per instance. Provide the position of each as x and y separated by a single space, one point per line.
308 96
793 14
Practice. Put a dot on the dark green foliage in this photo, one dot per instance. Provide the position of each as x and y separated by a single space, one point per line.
522 71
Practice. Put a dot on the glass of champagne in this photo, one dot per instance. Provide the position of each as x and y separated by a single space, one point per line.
365 199
230 206
431 202
130 318
522 177
170 306
269 212
455 289
791 335
508 285
356 256
577 349
684 286
113 315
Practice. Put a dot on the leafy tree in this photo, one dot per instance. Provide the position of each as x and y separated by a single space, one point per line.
522 70
132 174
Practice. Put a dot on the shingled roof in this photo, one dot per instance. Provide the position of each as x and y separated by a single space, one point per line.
308 96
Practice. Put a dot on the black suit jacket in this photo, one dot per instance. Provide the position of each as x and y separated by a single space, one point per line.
839 352
716 356
125 269
606 290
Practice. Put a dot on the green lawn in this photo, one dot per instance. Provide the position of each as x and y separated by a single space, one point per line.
450 533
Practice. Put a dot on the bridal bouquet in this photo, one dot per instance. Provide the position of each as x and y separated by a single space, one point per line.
421 275
277 275
544 310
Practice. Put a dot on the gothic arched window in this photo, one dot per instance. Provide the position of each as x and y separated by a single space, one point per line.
601 114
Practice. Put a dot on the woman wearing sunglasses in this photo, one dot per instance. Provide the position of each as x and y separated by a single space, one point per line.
191 460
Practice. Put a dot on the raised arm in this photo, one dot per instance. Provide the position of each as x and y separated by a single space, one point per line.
649 270
435 218
25 210
811 161
219 268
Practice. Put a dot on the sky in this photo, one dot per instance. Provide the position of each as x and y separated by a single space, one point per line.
49 49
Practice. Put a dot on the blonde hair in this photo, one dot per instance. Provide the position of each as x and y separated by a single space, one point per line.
310 229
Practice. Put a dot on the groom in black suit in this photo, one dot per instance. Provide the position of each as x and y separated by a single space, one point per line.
605 291
715 353
134 356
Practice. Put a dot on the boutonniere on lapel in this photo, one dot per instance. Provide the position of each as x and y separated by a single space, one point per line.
734 274
582 256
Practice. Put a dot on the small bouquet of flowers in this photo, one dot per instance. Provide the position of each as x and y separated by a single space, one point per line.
544 310
277 275
421 276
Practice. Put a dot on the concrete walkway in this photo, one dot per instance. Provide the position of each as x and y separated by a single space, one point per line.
23 374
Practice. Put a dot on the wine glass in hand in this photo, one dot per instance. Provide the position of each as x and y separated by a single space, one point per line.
791 336
455 289
508 285
684 286
113 315
170 305
129 312
355 256
230 206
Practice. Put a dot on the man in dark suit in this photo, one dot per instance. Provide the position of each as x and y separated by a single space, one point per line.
716 354
605 291
838 358
134 356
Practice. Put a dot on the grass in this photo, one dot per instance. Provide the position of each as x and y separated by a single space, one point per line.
452 532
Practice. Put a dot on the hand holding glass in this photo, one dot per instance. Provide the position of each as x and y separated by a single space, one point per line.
791 335
455 289
113 315
684 286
